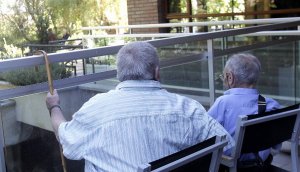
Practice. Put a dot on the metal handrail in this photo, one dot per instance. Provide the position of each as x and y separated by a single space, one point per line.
209 23
30 61
10 64
166 35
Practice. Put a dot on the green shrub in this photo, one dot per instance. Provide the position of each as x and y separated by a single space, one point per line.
35 75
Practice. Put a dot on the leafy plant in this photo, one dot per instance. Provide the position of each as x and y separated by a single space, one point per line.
11 51
35 75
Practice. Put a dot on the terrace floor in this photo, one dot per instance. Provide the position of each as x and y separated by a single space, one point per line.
283 158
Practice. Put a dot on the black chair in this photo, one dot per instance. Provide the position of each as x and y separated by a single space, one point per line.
262 131
204 156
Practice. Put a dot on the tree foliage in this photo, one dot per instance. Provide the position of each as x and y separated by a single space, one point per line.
29 20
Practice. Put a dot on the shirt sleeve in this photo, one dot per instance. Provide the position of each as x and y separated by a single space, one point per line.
272 104
206 127
217 111
215 128
72 136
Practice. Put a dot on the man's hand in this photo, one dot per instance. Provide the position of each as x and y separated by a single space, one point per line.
52 100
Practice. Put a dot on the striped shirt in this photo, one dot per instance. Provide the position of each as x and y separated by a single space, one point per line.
136 123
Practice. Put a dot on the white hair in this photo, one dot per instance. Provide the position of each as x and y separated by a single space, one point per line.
137 61
245 68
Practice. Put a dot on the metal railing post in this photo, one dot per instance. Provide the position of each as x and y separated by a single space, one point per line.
84 66
297 67
7 129
294 70
93 65
210 58
2 145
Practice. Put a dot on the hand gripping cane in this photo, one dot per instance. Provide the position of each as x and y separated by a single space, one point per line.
50 84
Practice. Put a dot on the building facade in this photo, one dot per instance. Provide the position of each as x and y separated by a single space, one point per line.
168 11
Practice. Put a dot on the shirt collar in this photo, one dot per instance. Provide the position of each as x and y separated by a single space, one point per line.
133 84
241 91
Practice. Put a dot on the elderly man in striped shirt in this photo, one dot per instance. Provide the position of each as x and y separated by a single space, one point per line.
136 123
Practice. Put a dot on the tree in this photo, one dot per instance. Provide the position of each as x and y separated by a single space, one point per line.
73 14
29 19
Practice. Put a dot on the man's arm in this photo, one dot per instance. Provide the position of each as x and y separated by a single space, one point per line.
53 105
217 111
215 128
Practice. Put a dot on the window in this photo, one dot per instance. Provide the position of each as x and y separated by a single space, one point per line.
202 10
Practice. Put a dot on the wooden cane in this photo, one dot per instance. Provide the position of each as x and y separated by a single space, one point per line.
50 84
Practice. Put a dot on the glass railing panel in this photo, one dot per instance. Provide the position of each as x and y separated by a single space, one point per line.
29 142
279 77
28 147
38 74
249 40
184 70
297 71
279 73
194 74
238 41
189 74
219 63
100 64
182 50
115 40
33 75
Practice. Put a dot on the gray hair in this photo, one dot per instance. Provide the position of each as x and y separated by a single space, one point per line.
137 61
244 67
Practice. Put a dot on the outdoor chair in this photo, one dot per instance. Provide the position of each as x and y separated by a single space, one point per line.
204 156
262 131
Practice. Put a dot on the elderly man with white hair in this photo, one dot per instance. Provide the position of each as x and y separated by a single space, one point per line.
240 76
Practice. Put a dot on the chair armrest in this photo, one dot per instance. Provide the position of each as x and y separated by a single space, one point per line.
144 168
227 161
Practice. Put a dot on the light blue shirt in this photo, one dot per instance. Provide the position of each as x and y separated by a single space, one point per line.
136 123
236 102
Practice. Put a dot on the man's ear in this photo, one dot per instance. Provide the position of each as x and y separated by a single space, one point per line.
230 78
156 74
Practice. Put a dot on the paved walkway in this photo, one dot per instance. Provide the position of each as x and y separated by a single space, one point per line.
283 159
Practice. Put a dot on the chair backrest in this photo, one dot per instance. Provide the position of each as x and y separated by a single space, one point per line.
262 131
204 156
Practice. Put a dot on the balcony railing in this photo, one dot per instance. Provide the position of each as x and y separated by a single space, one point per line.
189 66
